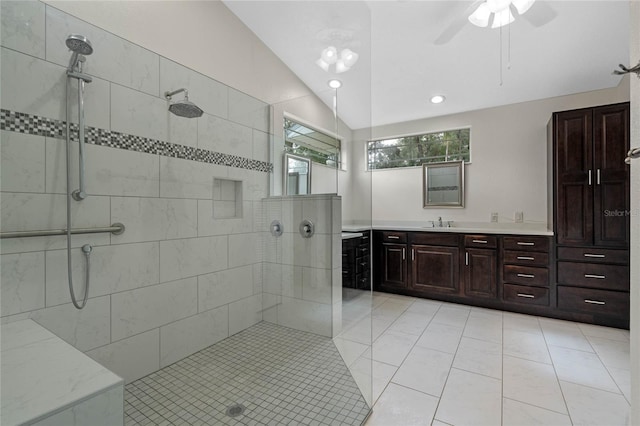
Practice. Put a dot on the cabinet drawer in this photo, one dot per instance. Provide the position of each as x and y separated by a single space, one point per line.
526 243
435 239
362 264
526 275
481 241
394 237
526 258
594 301
594 275
593 255
525 294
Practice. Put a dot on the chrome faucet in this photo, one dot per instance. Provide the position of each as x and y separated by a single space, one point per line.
439 222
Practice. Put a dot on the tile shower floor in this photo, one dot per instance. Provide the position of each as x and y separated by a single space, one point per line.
279 375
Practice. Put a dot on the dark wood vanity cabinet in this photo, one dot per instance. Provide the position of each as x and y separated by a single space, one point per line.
590 202
390 265
434 263
525 270
355 261
416 263
480 266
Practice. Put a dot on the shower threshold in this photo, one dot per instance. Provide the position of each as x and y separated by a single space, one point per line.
264 375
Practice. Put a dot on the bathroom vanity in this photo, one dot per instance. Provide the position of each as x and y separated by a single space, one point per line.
493 269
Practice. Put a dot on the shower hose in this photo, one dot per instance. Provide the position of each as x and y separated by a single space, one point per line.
86 249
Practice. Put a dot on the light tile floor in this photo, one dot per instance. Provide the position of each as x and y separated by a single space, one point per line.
445 364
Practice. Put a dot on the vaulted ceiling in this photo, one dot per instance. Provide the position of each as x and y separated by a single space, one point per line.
412 50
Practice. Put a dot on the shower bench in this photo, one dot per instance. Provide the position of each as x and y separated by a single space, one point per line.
46 381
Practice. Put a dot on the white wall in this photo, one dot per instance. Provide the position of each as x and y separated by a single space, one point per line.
635 219
508 170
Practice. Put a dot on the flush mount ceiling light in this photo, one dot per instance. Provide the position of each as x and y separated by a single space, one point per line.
437 99
335 84
343 63
500 10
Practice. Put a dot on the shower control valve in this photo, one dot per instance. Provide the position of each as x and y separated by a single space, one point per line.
306 228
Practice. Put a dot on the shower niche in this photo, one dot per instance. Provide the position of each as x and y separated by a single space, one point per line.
227 198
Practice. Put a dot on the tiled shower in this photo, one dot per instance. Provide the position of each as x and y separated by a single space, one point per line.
196 263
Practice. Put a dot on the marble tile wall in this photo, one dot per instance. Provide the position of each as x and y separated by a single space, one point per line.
302 285
178 279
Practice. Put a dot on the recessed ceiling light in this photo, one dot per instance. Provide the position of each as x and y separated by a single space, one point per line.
437 99
335 84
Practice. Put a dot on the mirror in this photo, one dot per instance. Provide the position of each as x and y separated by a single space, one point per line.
297 175
443 184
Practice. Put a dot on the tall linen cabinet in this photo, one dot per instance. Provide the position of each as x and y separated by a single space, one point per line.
589 208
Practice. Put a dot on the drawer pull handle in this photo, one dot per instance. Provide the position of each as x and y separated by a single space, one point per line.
363 263
594 255
528 296
526 275
523 243
393 237
598 277
526 258
480 241
594 302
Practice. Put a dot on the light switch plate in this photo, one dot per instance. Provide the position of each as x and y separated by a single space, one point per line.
494 217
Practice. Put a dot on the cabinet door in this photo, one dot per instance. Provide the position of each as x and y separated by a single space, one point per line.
574 177
394 267
435 269
611 195
480 273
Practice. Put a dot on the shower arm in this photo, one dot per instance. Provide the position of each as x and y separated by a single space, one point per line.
168 94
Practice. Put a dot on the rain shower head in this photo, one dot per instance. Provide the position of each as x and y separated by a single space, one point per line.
184 108
79 45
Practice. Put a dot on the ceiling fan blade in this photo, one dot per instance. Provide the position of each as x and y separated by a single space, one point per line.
541 13
457 24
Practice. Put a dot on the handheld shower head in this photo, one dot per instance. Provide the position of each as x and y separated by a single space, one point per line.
79 45
184 108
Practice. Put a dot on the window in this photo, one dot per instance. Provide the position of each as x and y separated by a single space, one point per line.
411 151
310 143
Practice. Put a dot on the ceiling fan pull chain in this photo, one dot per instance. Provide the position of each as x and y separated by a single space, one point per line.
509 47
501 56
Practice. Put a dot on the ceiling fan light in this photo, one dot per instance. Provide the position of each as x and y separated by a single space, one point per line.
503 18
349 57
341 66
481 16
329 55
322 64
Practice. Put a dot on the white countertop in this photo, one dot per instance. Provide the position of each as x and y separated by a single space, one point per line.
459 227
349 235
42 374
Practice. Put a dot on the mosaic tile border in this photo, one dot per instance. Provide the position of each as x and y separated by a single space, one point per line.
20 122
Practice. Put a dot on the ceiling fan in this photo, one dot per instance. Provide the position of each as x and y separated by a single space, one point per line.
496 14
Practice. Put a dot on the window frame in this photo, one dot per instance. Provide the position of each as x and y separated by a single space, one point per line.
339 163
417 135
